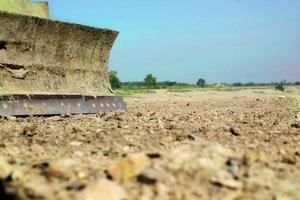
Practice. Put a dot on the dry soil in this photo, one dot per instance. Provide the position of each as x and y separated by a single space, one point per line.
194 145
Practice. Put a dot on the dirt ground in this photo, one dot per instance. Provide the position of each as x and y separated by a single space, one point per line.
195 145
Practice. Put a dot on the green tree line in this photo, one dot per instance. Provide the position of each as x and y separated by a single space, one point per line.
150 81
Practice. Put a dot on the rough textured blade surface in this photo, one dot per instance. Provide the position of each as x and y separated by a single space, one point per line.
40 56
30 105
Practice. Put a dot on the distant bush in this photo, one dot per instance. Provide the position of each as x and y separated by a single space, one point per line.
200 82
280 87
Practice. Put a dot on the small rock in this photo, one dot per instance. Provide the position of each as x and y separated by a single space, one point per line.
289 160
78 153
77 130
152 114
160 124
29 131
17 175
75 143
13 151
191 137
42 166
150 176
129 167
170 126
295 125
38 189
235 131
102 190
225 180
139 114
234 166
65 115
113 116
60 168
162 191
142 178
119 125
154 155
5 168
120 112
54 118
37 149
182 136
82 175
126 127
75 186
18 73
281 97
11 118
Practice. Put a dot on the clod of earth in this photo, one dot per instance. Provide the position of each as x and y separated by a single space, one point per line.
128 167
149 176
62 168
102 189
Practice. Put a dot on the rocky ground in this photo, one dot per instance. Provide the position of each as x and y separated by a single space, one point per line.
213 145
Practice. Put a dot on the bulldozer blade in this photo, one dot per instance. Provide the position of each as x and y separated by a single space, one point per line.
44 62
45 105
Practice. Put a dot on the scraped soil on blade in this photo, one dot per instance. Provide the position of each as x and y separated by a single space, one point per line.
240 145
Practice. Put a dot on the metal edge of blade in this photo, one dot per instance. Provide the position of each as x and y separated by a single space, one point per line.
48 104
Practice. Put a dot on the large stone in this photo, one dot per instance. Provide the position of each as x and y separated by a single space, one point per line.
5 168
129 166
102 190
62 168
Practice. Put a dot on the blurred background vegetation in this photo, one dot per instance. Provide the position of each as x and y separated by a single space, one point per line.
150 84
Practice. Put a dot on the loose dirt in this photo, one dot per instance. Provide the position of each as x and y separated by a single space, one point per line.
194 145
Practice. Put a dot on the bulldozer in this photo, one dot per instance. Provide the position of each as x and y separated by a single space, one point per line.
49 67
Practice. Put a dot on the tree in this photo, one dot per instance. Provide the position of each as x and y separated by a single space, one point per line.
280 87
201 82
114 80
150 80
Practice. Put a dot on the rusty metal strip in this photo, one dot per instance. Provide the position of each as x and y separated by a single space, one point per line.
42 105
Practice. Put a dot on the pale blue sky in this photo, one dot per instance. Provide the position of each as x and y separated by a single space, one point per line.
181 40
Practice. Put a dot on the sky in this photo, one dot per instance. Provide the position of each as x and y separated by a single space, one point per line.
183 40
